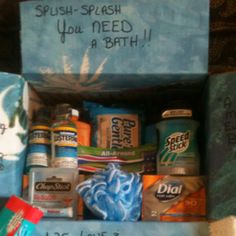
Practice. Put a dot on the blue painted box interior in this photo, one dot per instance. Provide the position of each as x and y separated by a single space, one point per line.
220 145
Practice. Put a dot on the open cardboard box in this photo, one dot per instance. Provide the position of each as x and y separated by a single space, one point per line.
215 103
64 227
67 58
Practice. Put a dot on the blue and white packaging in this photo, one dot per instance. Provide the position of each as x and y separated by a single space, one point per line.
13 132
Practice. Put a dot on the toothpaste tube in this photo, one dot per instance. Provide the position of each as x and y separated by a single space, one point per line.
18 218
91 159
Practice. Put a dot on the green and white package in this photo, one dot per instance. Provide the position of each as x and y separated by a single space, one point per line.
138 160
178 149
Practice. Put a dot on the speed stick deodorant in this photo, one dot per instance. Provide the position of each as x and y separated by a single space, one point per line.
178 150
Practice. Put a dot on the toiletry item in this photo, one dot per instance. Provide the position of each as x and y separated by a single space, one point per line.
178 150
113 194
64 138
39 148
114 127
18 218
83 129
174 198
53 191
92 159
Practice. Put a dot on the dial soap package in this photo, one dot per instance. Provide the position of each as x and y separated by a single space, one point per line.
174 198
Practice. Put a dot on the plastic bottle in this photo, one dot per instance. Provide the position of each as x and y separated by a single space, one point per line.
84 129
64 138
178 150
39 140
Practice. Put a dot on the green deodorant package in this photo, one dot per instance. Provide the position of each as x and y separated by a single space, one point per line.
178 149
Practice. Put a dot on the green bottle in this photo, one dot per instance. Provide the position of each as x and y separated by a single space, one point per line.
178 149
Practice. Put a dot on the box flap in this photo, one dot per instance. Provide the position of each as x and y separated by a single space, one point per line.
111 45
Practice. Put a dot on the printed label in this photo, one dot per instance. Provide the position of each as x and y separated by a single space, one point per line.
178 142
15 222
109 153
40 135
169 190
53 186
65 138
118 131
177 113
65 162
38 154
38 159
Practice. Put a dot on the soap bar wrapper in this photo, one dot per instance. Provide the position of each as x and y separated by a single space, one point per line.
174 198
